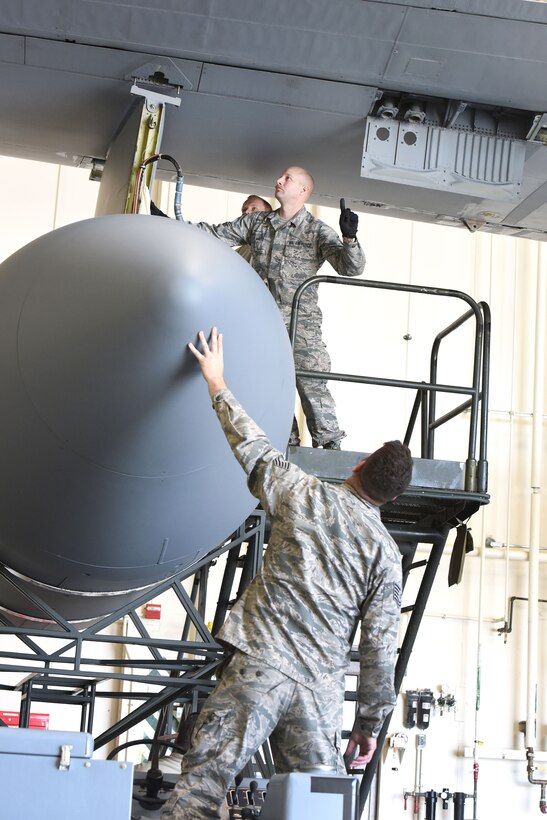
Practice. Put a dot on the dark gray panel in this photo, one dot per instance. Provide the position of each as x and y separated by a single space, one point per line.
471 58
12 49
311 38
306 137
33 131
86 99
502 9
286 90
108 63
36 18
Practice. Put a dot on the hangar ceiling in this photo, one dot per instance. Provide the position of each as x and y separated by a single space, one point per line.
450 99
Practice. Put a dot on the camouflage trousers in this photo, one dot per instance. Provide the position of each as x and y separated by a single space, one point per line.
310 353
250 703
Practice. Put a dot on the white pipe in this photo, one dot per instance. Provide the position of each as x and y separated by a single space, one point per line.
497 549
510 464
491 753
480 617
512 414
535 505
443 616
492 544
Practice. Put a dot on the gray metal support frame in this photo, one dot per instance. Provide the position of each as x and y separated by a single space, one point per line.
69 675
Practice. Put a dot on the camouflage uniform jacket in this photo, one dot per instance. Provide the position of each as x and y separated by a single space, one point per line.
286 253
330 563
246 252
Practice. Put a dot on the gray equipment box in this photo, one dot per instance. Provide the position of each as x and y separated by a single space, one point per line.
49 775
318 796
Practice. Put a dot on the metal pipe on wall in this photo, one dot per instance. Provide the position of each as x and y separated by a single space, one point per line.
535 502
477 740
480 609
511 440
496 550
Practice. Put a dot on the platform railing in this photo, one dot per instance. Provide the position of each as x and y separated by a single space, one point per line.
426 392
482 362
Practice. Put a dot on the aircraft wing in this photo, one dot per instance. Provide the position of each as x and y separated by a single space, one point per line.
435 114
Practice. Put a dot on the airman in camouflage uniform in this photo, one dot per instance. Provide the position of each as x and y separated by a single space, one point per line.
289 246
252 205
330 565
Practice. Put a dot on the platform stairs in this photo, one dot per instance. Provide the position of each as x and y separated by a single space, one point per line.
442 494
434 503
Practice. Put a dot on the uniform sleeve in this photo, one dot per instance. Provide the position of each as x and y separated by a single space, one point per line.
380 617
246 252
237 232
269 476
347 259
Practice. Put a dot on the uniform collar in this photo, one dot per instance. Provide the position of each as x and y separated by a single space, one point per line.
346 485
277 222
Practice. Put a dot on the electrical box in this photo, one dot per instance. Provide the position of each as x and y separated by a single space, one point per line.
52 776
152 612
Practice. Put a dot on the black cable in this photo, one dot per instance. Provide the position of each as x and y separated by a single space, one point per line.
170 743
178 186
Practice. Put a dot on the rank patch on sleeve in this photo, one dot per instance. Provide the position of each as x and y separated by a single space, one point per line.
397 594
279 461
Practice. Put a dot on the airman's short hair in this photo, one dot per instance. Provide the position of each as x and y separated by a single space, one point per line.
386 472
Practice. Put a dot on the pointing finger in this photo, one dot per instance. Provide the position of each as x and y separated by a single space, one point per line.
342 204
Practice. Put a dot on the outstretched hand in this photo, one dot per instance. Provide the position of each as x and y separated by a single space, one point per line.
211 360
349 221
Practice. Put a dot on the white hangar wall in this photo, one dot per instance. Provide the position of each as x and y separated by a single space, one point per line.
390 335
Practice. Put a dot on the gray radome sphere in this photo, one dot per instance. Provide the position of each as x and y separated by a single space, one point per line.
115 472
